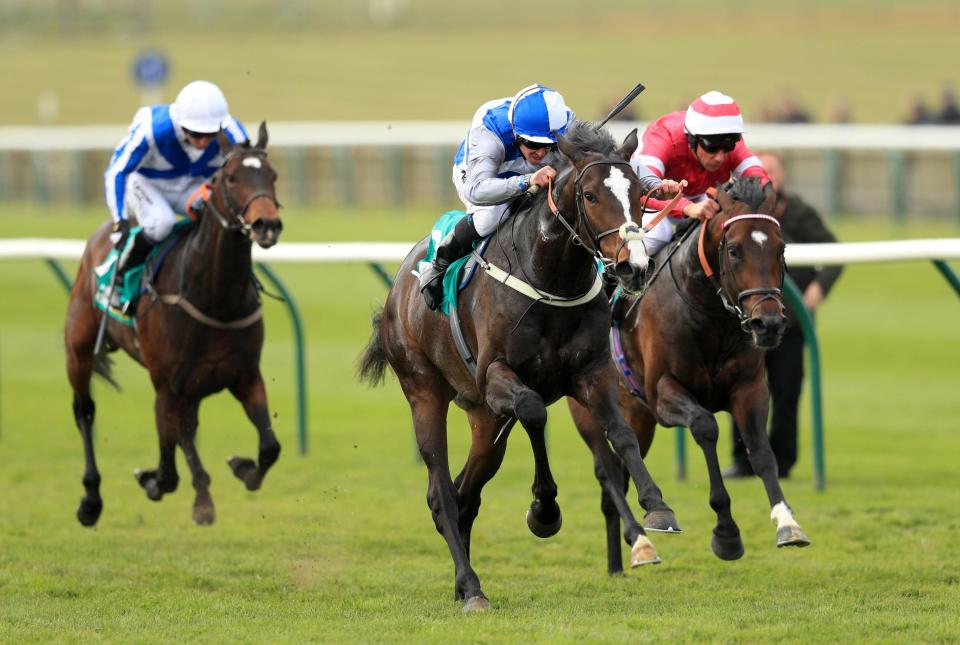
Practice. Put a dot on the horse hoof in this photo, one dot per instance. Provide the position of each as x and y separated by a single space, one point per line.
727 547
643 552
89 511
791 536
542 529
663 521
204 515
245 470
475 605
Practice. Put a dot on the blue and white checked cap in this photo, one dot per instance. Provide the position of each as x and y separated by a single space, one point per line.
536 112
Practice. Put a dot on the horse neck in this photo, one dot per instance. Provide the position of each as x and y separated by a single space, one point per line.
691 277
219 265
549 259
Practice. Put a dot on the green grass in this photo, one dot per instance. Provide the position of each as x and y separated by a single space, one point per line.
440 60
339 544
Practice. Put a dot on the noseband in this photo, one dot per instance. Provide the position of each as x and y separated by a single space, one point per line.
767 293
234 219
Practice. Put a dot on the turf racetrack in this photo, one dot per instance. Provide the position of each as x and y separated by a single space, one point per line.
339 544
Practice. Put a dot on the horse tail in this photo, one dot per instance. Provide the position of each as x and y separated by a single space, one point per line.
373 361
103 366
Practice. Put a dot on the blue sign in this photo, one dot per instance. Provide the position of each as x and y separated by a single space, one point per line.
150 68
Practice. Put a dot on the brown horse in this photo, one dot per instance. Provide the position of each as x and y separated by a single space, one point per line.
531 347
691 358
199 331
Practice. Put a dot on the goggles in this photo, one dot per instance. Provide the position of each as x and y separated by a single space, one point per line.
716 143
536 145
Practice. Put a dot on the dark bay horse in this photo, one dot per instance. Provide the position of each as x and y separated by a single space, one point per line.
199 331
694 344
531 347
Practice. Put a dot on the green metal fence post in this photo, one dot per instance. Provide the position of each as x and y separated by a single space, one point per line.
896 160
948 273
956 184
795 302
832 179
298 353
680 434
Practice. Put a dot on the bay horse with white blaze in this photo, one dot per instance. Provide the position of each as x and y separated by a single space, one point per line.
198 331
533 344
689 357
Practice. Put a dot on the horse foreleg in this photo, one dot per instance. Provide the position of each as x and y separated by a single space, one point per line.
676 406
597 391
749 408
203 509
482 464
164 479
252 394
507 396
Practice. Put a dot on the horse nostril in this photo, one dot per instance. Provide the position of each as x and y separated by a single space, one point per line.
757 325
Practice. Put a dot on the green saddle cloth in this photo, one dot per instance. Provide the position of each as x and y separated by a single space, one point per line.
451 279
130 289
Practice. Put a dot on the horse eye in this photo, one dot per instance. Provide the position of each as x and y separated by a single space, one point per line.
590 197
230 179
734 251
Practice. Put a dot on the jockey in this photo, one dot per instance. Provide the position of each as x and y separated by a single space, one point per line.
168 155
509 147
703 145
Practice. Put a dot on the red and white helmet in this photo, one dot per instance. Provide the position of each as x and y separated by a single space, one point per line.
713 113
200 107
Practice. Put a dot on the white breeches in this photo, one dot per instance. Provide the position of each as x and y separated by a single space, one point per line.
659 236
156 209
485 218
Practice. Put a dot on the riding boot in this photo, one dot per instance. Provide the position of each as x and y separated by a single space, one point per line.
133 255
454 246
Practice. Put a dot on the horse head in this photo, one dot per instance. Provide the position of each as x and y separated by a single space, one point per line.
246 199
749 258
607 195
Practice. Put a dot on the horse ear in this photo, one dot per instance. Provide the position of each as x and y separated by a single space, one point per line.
224 142
572 152
769 204
629 146
262 136
723 198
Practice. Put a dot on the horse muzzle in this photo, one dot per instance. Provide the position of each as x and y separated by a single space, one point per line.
767 329
266 232
630 276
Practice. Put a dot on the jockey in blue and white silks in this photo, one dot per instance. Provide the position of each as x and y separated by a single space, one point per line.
169 152
509 147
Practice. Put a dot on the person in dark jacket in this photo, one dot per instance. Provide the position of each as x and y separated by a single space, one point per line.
800 223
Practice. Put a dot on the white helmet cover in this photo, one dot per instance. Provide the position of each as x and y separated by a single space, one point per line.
713 113
200 107
536 112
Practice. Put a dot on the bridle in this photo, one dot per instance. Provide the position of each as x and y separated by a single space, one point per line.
767 293
234 219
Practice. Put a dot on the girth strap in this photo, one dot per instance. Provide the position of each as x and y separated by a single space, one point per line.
199 316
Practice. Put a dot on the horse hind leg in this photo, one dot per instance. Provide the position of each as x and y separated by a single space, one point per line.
79 337
253 396
204 513
508 397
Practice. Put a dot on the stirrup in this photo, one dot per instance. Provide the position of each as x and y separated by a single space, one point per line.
431 286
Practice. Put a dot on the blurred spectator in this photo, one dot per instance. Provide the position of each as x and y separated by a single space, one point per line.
840 111
791 112
950 112
800 223
918 113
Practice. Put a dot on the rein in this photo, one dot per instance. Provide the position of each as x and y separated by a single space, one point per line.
768 293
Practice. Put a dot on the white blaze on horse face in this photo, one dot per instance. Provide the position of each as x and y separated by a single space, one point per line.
251 162
759 237
619 185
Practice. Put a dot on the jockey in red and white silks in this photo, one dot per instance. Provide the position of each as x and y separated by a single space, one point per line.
703 145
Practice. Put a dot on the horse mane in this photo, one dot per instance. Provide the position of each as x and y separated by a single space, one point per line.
747 190
589 137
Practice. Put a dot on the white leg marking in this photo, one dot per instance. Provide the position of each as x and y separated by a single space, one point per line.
781 515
